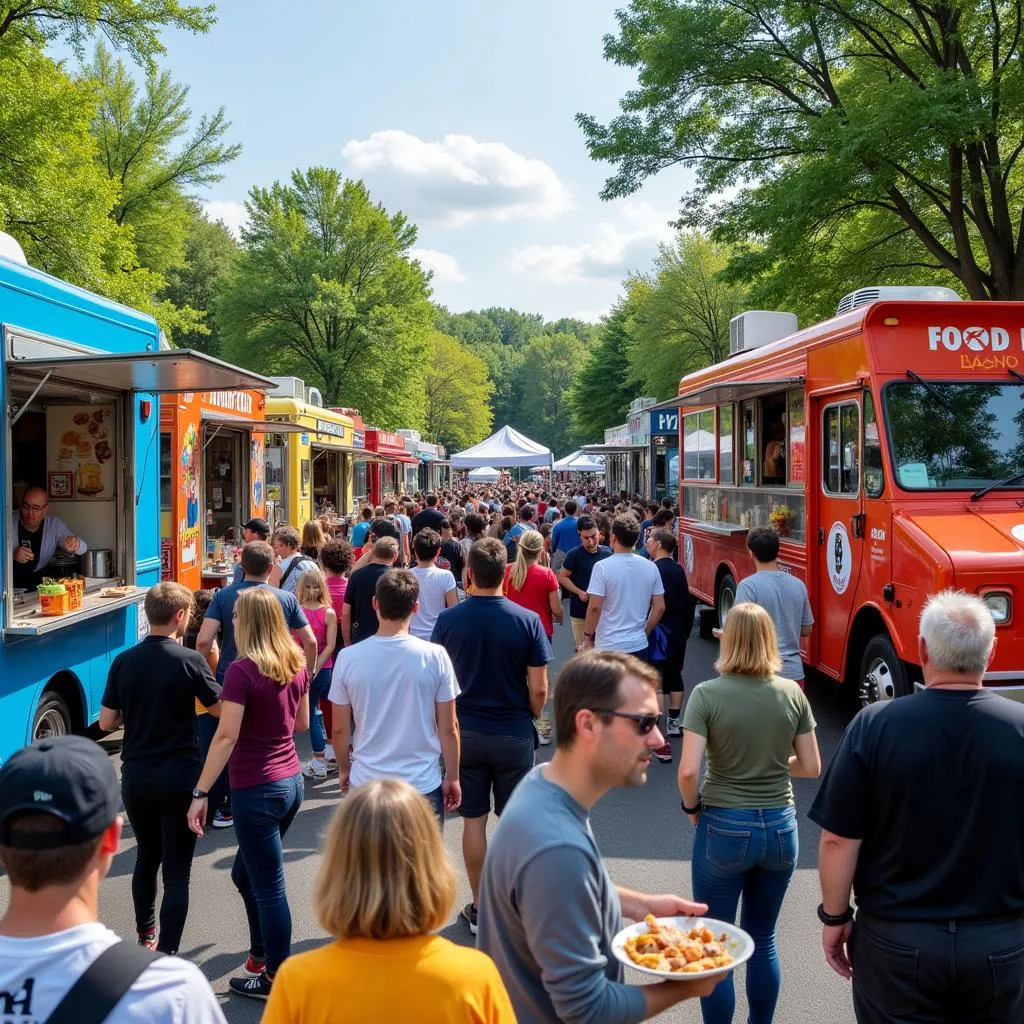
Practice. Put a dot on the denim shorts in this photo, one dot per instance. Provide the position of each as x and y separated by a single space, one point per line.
491 764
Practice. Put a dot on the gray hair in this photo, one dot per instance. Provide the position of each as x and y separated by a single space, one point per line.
959 631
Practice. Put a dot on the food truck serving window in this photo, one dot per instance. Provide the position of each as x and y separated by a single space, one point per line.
699 445
955 435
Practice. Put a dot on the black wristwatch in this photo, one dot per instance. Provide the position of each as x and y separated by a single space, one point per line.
696 808
199 794
834 920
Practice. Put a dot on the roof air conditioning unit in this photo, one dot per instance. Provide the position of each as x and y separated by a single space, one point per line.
757 327
893 293
639 404
412 435
313 397
10 249
288 387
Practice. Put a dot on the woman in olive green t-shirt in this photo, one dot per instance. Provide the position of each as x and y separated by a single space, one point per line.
758 733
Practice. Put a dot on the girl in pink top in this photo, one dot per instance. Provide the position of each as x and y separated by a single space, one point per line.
312 595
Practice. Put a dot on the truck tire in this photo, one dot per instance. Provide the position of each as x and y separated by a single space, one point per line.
726 598
52 717
882 675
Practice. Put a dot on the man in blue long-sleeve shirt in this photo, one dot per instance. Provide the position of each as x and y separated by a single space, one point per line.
548 908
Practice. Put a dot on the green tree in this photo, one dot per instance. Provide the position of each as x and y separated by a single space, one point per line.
550 365
209 261
604 386
515 328
458 391
586 332
150 147
325 290
472 328
906 120
681 313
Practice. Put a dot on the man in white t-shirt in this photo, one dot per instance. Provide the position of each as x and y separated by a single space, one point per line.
437 586
626 596
401 690
59 833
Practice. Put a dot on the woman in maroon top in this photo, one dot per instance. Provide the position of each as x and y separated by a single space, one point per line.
264 701
531 585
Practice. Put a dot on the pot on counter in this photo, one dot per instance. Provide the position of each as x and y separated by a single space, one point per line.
98 563
63 563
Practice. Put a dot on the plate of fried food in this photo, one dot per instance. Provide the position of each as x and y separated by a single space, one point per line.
681 948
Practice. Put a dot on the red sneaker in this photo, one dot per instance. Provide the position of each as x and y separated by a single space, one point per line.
147 940
254 968
663 753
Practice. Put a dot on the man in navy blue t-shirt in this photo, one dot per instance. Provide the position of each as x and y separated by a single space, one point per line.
500 654
576 569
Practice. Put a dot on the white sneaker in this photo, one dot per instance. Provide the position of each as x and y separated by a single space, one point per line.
329 753
674 726
315 768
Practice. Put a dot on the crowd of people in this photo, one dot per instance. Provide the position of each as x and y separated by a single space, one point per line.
416 652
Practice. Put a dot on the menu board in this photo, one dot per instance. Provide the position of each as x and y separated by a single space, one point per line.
80 450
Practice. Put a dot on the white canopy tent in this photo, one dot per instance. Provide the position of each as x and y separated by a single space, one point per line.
483 475
580 462
504 448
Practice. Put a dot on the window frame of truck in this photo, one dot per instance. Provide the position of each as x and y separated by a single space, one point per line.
53 670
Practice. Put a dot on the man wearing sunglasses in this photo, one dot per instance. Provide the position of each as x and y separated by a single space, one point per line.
548 908
36 537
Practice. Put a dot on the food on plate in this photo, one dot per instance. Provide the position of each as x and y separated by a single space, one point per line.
668 949
81 418
97 430
69 437
90 478
103 451
97 416
84 448
116 591
65 453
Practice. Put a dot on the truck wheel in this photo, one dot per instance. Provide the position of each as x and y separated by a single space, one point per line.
882 676
52 717
726 598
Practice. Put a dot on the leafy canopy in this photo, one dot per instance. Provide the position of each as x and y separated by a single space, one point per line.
458 392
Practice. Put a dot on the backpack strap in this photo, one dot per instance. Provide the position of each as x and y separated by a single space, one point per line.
294 565
92 997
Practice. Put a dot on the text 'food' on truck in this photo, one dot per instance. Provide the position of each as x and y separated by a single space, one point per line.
886 447
81 378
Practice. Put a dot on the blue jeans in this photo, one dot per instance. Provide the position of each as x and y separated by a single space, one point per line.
750 853
262 816
220 792
317 689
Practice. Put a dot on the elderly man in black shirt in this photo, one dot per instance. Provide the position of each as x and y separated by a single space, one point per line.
922 815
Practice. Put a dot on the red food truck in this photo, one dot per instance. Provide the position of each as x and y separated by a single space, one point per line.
886 446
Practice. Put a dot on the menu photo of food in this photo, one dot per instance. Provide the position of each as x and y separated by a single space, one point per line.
79 439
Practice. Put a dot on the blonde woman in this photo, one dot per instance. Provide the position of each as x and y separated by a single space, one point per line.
315 600
264 701
532 585
384 886
312 539
757 731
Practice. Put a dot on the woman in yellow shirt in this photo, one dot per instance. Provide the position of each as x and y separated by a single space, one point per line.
384 885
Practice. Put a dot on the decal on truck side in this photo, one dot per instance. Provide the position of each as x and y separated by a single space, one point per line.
839 556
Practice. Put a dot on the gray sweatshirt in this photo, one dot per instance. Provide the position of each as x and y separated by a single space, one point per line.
548 913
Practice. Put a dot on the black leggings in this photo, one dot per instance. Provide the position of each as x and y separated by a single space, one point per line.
163 839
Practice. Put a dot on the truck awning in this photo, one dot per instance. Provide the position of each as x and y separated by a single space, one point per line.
732 391
225 419
170 371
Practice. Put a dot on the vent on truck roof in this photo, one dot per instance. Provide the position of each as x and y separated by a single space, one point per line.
757 327
908 293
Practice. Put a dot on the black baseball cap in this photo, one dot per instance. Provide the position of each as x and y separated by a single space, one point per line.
257 525
69 777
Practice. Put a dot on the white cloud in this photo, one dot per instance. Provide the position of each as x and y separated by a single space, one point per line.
610 253
231 213
457 180
445 267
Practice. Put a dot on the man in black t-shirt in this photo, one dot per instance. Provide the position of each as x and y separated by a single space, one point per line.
668 642
429 518
152 690
358 616
922 815
576 571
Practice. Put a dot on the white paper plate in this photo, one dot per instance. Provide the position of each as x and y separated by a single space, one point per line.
738 943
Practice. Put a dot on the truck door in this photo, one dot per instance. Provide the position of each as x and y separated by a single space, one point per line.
840 521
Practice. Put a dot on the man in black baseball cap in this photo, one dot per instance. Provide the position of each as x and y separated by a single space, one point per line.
59 832
254 529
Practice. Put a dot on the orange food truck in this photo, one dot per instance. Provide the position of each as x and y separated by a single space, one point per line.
886 446
211 481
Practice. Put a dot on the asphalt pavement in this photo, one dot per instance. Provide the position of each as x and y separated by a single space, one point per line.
644 837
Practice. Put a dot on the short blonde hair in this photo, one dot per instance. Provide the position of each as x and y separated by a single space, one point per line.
384 873
262 636
749 646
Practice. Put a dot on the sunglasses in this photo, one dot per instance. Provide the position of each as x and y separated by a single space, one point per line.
644 723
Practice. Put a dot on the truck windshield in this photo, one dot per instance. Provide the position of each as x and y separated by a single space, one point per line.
972 438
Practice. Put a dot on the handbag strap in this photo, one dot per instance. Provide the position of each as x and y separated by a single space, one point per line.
91 998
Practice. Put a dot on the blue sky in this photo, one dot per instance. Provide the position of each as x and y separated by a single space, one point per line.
460 114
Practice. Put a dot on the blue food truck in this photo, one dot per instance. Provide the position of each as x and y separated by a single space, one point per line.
81 378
